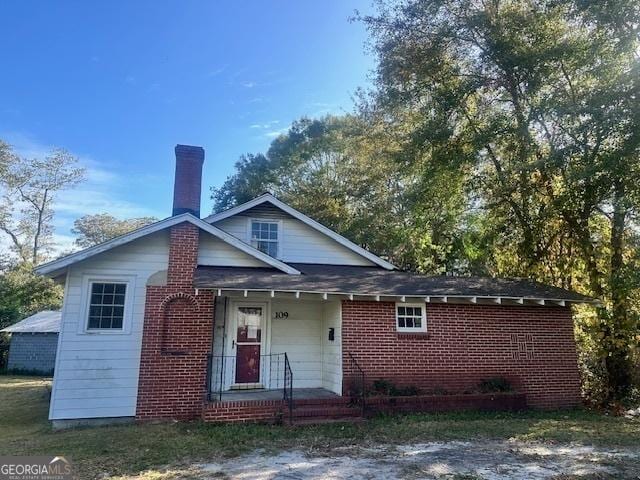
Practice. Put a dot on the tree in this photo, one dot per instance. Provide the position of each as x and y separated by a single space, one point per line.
536 104
96 229
318 167
22 293
342 172
29 188
500 137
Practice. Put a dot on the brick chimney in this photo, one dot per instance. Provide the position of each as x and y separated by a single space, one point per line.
188 180
178 323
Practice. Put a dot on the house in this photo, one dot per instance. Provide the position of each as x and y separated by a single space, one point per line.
259 309
33 343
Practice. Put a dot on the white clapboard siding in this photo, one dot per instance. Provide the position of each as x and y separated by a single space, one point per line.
332 350
83 393
213 251
299 336
94 411
104 367
300 242
97 354
90 385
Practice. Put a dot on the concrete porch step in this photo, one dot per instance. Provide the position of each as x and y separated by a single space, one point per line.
328 402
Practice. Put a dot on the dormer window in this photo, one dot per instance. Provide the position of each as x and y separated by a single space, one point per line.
264 236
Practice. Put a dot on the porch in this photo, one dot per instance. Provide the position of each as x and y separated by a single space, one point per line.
263 344
276 394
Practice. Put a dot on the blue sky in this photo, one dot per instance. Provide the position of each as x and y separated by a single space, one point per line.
120 83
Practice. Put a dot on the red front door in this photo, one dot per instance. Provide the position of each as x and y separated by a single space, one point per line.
248 342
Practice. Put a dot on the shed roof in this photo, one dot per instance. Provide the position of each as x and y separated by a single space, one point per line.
372 281
47 321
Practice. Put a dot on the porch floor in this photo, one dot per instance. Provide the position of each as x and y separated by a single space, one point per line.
276 394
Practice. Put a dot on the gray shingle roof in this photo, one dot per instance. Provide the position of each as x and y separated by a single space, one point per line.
47 321
374 281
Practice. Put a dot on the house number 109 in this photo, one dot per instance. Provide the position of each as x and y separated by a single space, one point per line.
281 315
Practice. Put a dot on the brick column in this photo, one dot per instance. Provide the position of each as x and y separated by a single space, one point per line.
177 336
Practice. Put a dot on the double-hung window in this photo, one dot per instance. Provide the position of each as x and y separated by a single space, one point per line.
411 317
106 305
265 236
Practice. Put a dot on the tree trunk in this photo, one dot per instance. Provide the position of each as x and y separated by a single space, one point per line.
617 361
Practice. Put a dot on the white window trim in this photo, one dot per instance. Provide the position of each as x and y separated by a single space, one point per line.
267 220
87 281
423 309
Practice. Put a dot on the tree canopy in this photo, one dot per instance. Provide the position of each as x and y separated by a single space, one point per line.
500 137
94 229
28 187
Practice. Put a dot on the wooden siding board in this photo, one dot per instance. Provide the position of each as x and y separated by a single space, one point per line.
332 350
213 251
300 243
97 363
299 336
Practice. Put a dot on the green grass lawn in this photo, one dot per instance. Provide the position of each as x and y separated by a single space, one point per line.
130 449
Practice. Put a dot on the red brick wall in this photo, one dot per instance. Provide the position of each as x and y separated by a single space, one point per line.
533 347
495 402
188 180
183 255
244 411
177 336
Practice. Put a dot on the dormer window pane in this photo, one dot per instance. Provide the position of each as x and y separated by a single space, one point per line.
264 236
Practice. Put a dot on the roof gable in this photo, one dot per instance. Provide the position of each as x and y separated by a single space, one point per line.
61 263
262 202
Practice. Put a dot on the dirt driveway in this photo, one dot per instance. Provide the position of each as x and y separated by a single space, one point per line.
447 460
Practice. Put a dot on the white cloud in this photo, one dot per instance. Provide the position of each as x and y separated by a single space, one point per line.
64 243
217 71
265 125
92 199
321 109
276 133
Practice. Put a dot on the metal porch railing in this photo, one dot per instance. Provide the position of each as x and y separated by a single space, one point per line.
288 387
270 372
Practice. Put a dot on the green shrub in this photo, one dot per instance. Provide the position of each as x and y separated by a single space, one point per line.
382 386
495 384
385 387
26 372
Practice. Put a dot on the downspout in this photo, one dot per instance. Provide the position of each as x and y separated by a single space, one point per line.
224 337
210 357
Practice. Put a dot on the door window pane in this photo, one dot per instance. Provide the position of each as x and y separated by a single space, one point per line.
249 324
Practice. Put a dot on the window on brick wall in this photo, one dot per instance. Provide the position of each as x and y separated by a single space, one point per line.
411 317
